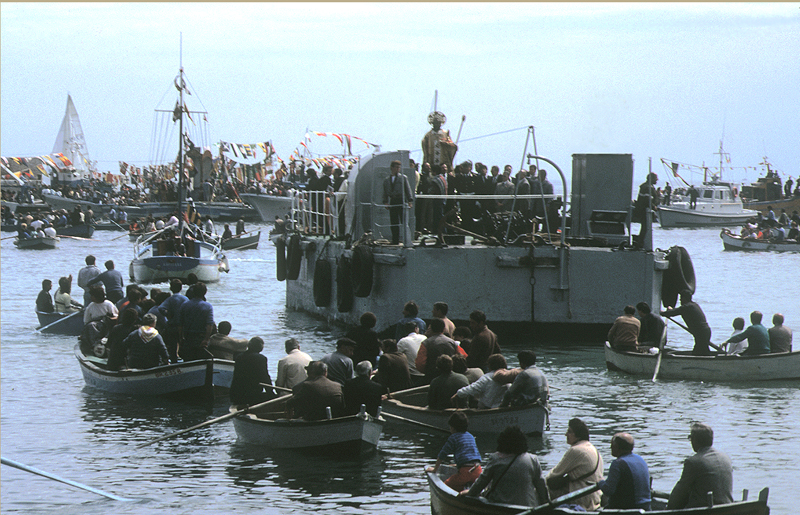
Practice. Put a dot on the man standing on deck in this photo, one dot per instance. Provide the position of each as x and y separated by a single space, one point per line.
695 321
396 193
112 280
707 471
86 274
196 325
170 309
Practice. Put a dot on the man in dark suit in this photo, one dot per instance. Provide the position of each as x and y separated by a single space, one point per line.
360 390
396 192
250 371
393 372
707 471
311 397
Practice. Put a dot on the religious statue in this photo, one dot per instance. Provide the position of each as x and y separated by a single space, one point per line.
437 146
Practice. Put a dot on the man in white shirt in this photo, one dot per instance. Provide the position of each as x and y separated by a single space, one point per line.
292 367
409 345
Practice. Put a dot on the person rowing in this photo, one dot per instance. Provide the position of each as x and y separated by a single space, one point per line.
695 321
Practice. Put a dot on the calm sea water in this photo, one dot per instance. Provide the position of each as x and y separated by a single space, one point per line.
50 420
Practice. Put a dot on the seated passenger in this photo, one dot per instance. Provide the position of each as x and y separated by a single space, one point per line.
488 393
624 334
780 336
529 385
311 397
44 302
360 390
250 374
739 347
445 385
63 299
144 346
756 335
651 328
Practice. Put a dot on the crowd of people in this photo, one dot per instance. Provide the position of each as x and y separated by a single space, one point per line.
647 332
773 228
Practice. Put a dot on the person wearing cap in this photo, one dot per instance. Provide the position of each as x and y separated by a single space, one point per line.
250 373
340 362
707 471
360 390
311 398
145 347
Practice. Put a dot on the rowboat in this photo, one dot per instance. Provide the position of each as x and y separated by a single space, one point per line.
69 324
153 262
44 243
244 241
80 231
682 365
532 419
732 242
195 380
343 435
446 501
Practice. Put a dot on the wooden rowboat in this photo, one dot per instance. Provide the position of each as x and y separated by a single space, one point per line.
532 419
244 241
69 324
80 231
192 380
346 436
684 366
732 242
45 243
446 501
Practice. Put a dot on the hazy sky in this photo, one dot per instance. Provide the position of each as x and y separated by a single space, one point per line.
652 80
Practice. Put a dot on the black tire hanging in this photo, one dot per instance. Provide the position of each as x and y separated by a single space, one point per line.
344 285
323 282
294 257
362 271
678 277
280 262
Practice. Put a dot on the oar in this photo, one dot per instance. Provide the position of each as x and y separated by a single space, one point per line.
577 494
8 237
688 331
409 421
42 473
214 421
409 390
118 237
660 351
74 237
41 329
279 388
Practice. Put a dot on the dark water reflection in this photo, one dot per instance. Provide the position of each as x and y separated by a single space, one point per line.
51 420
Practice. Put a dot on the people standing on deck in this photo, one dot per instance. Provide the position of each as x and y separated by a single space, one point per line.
693 195
196 318
367 344
409 347
311 397
695 321
756 334
624 333
361 390
667 195
340 363
112 281
652 326
628 483
582 464
461 445
506 188
780 336
707 471
647 199
483 343
223 346
292 367
397 193
86 274
250 374
170 309
393 372
240 227
44 302
435 345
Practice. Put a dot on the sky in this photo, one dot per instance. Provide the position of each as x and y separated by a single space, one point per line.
655 80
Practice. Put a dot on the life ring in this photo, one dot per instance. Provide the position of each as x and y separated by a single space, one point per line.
322 283
362 271
678 277
280 262
344 285
294 256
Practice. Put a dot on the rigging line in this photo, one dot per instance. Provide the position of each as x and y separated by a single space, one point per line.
196 95
496 133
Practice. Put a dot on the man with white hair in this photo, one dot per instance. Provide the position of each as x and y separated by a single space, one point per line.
361 391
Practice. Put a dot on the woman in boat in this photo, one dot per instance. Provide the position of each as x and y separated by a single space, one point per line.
512 474
580 467
63 299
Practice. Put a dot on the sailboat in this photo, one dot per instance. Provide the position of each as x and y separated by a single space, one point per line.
72 145
180 249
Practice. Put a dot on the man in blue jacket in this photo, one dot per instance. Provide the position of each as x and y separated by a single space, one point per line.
628 482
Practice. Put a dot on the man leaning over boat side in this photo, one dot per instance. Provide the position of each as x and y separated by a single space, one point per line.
112 281
707 471
487 392
695 321
651 328
311 397
292 367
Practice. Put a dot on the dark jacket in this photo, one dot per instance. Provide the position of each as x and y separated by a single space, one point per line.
360 390
707 471
312 396
393 371
249 371
145 354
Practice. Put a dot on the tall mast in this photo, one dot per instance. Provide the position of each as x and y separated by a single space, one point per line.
180 136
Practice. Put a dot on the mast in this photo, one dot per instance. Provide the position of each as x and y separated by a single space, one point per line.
180 137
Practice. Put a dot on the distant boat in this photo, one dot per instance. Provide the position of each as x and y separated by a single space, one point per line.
733 242
268 206
80 231
44 243
244 241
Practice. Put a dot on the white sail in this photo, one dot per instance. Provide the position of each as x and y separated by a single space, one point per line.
71 143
